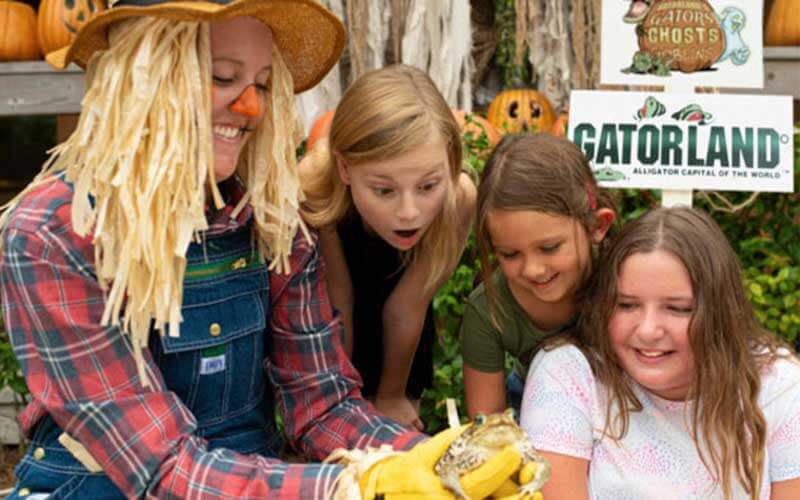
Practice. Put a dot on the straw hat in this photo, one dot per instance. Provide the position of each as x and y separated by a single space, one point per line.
309 37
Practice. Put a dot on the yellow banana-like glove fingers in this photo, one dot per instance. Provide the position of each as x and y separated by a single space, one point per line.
481 482
410 475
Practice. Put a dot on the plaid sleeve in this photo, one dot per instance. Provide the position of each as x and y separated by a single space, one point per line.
84 376
318 389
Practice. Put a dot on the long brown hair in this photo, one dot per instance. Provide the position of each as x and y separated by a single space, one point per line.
730 347
384 114
539 172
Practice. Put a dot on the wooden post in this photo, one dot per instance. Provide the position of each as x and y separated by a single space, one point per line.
673 197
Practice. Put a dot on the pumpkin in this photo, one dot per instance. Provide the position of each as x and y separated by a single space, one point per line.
60 20
321 128
561 125
783 23
518 110
688 33
477 126
18 32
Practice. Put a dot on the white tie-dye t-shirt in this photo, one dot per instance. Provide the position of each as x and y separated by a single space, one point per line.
564 409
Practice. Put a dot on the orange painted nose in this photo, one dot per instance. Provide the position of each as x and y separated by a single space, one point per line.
247 103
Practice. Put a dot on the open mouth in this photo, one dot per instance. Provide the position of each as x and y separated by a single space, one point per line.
544 282
406 233
228 132
637 11
650 354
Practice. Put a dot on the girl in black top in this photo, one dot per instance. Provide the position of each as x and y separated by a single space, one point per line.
393 207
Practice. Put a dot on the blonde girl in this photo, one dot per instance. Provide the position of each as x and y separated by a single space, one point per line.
670 386
393 207
539 216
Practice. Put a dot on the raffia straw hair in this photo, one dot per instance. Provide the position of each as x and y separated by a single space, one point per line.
142 154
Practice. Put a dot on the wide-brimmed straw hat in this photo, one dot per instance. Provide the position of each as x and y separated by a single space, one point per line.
310 38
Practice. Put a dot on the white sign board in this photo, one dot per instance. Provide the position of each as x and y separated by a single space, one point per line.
685 141
714 43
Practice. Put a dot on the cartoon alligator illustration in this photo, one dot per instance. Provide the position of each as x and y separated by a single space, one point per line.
608 174
645 63
651 109
637 11
693 113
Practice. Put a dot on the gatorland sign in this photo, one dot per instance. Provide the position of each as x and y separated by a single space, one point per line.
675 141
698 42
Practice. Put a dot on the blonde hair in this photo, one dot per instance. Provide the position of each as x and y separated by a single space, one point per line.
730 347
543 173
142 150
384 114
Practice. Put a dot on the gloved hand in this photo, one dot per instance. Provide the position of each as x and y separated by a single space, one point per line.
410 475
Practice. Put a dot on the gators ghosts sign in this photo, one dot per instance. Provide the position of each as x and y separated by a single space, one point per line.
702 42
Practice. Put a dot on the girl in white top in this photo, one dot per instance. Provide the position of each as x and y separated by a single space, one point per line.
669 388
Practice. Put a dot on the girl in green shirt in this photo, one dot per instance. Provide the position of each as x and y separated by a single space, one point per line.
540 215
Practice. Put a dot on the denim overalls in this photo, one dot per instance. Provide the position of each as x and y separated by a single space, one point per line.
216 367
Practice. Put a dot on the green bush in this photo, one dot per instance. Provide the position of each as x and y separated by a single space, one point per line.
764 235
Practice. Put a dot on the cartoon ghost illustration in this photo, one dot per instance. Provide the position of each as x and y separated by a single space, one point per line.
733 20
637 11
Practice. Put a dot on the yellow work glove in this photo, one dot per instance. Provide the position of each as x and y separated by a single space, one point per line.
410 475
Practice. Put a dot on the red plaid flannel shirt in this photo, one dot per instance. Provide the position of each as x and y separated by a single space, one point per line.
84 376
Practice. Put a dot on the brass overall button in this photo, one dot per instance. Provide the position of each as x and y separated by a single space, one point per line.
215 329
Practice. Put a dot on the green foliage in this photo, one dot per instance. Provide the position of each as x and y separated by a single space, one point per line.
513 75
10 375
764 236
448 304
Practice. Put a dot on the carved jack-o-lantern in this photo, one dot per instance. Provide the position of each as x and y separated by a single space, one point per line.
60 20
520 110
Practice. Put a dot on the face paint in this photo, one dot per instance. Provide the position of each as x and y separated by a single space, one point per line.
247 103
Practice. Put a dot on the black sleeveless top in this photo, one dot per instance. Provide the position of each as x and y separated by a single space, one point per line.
375 268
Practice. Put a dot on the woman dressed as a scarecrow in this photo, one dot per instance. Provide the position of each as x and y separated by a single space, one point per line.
162 294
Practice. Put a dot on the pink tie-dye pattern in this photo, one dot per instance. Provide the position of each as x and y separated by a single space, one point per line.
564 412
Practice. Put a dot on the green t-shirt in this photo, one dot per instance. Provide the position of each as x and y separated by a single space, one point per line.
483 346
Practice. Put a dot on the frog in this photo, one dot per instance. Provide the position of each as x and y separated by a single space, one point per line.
487 435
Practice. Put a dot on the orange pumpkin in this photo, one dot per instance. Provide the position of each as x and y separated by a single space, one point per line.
520 110
321 128
59 20
560 126
18 32
477 126
783 23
